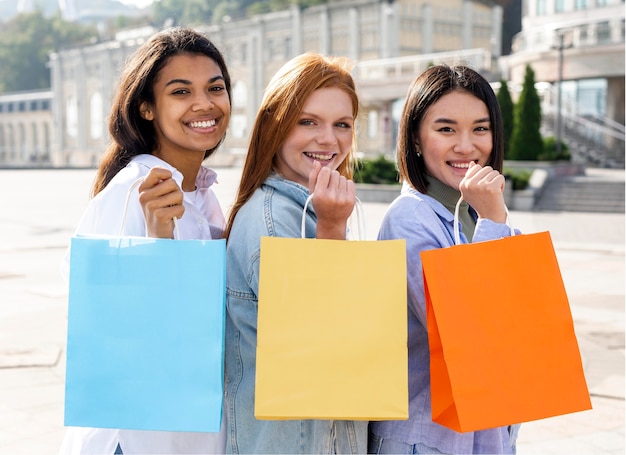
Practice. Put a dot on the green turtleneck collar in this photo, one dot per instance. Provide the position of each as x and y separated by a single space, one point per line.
448 197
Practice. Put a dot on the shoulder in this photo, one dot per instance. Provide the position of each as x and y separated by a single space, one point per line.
413 206
416 217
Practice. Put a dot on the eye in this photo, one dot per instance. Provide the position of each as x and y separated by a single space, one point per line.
180 91
445 129
482 128
343 125
306 122
217 88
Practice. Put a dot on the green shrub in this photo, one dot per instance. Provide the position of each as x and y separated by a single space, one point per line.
551 154
519 178
380 170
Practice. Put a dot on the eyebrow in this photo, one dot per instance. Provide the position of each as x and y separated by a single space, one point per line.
187 82
310 114
454 122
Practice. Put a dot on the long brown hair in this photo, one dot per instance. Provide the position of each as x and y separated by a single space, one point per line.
279 112
425 91
130 133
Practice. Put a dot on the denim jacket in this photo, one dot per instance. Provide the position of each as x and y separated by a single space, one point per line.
275 209
426 224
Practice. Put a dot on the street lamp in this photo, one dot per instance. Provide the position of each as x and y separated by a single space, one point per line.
560 47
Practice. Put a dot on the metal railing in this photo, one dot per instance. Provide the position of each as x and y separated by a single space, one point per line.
479 59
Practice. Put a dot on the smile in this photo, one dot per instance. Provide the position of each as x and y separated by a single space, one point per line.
461 165
320 157
203 124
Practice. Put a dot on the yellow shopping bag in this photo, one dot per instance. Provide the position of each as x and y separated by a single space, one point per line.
332 330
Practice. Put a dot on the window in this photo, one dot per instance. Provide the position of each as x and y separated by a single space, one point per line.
96 116
603 32
240 94
559 6
287 53
580 4
541 8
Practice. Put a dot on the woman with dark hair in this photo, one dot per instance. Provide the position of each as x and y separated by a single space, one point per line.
301 144
450 145
171 111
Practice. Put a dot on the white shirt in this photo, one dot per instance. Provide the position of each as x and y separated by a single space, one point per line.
203 219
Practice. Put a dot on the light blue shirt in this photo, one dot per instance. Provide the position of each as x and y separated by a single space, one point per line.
426 224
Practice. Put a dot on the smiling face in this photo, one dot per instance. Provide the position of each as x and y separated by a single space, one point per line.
323 133
455 130
191 107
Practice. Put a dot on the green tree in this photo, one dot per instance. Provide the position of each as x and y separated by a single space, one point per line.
25 44
507 108
526 141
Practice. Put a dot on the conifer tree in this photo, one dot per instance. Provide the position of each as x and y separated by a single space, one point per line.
506 107
526 141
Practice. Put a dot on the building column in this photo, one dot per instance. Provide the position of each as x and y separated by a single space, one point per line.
615 99
354 35
83 109
296 31
389 30
468 24
496 33
428 29
324 35
256 68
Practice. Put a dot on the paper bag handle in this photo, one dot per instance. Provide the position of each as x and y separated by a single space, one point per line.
359 214
135 184
457 235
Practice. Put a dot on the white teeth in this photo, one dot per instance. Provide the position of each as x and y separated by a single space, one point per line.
204 124
316 156
460 165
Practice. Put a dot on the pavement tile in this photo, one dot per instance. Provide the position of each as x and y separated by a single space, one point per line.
35 229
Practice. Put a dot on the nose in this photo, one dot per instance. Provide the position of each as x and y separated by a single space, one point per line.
202 101
464 145
326 135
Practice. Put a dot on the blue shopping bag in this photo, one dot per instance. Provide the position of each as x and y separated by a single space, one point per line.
145 340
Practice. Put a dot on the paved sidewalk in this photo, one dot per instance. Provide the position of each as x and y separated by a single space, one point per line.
40 210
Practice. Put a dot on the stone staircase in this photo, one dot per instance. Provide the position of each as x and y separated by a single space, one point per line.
599 190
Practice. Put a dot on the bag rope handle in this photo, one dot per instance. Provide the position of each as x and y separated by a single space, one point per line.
358 211
457 235
134 186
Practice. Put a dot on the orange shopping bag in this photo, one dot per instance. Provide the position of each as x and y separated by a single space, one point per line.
502 343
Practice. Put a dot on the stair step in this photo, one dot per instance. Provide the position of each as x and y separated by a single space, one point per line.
582 194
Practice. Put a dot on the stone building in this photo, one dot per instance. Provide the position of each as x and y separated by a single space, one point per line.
391 42
26 128
576 47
